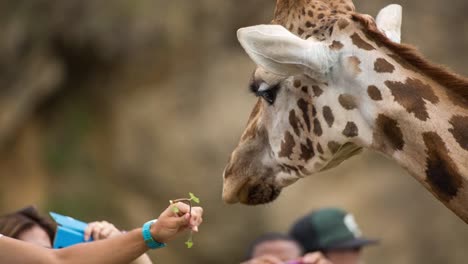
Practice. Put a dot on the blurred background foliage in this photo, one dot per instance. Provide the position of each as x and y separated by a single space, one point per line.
108 109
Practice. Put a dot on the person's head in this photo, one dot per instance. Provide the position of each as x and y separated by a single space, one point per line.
27 225
279 245
333 232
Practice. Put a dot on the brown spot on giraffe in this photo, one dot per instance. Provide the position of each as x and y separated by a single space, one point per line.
381 65
328 115
343 23
287 146
300 31
319 148
360 43
317 90
305 89
330 30
317 128
387 134
347 101
351 130
304 106
294 121
251 130
460 130
374 93
336 45
333 146
297 83
314 111
354 63
320 15
307 151
442 172
411 96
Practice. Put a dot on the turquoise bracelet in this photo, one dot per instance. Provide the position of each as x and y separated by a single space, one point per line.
149 241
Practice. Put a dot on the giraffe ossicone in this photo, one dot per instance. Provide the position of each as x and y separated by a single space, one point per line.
331 82
389 21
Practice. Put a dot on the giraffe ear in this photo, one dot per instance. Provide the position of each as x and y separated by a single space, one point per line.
389 21
280 52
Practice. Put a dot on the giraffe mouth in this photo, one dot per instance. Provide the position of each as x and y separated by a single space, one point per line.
249 193
257 194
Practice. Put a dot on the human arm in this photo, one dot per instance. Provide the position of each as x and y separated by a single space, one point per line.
120 249
100 230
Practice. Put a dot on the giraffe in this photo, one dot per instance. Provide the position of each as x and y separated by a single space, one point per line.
329 83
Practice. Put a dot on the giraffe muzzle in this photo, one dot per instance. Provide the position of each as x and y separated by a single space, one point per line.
259 194
249 193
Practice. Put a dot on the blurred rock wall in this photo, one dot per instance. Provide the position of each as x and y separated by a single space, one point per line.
108 109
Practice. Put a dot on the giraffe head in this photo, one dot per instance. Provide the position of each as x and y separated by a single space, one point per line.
303 122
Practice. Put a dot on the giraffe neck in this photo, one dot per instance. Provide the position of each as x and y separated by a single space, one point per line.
403 106
420 124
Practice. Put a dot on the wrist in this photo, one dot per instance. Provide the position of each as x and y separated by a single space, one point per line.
150 236
155 231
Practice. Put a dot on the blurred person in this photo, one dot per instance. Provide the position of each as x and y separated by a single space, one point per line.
121 248
334 232
277 248
28 225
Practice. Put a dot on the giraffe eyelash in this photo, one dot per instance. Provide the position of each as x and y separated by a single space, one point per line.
258 88
268 93
264 87
253 87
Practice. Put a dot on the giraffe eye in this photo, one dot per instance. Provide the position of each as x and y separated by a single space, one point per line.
269 96
268 93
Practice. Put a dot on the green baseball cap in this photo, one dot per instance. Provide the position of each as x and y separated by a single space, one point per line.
329 229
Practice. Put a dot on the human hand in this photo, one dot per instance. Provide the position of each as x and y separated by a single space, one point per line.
315 258
100 230
265 259
172 222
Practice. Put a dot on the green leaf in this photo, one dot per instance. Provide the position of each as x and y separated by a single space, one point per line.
194 198
175 209
189 243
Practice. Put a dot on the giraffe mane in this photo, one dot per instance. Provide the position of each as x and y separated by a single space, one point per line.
440 74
